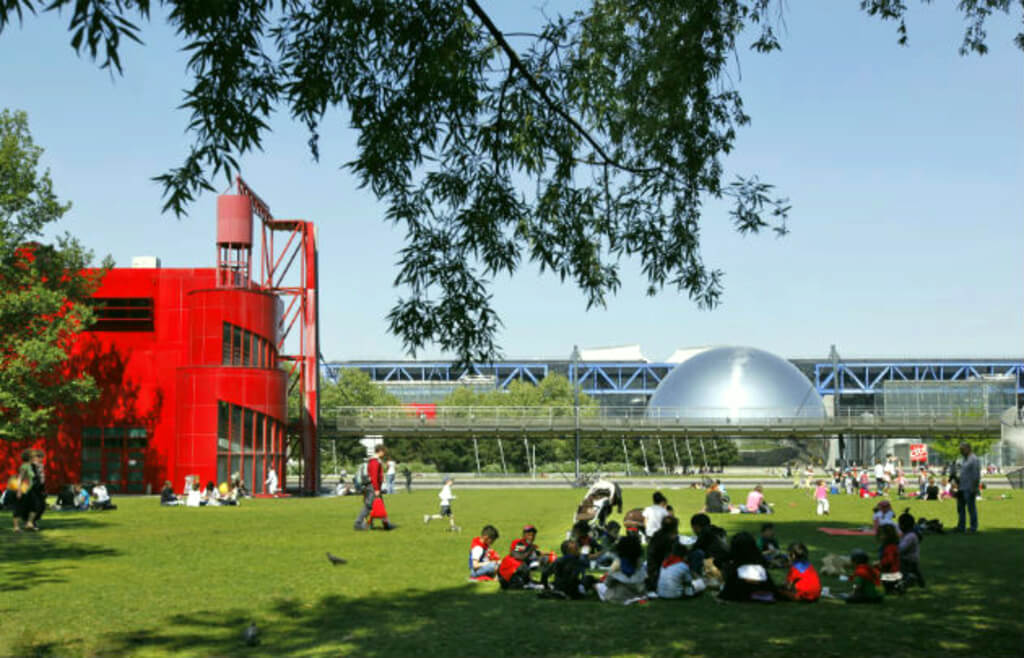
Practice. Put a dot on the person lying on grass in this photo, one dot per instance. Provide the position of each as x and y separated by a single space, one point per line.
802 583
675 580
568 574
483 560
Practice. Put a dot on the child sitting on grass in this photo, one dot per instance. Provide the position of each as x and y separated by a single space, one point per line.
625 580
607 537
523 555
569 572
675 580
910 551
889 557
867 588
483 560
769 547
803 583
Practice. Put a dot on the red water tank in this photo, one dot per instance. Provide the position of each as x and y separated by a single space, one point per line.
234 220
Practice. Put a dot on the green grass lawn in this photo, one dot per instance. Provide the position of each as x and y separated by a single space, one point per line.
146 580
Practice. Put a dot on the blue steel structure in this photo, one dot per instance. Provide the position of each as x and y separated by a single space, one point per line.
626 381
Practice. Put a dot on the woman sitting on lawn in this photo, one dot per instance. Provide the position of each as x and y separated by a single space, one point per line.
625 579
746 578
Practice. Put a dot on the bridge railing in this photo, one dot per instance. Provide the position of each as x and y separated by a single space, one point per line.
634 419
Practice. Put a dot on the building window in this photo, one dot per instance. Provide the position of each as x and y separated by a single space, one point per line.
248 443
115 456
244 348
122 314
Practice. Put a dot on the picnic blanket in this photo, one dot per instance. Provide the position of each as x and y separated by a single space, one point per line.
847 532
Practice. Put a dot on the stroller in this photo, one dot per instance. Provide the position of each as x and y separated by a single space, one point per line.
597 504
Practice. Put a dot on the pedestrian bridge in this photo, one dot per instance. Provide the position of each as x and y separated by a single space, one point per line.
518 422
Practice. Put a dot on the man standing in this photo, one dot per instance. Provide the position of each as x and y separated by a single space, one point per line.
390 476
879 477
967 493
372 488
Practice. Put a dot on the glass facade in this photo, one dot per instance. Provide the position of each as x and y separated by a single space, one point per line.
244 348
248 443
984 397
115 456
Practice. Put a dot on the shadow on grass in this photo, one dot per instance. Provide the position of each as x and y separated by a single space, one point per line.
27 558
971 607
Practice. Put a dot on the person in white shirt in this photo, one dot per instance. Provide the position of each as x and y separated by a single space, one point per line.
655 514
389 476
446 497
100 498
675 580
194 498
879 477
271 481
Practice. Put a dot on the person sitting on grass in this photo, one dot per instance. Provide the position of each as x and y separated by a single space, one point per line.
210 498
101 499
625 580
802 583
65 499
523 556
756 503
931 492
713 500
589 547
675 580
711 543
227 495
167 496
483 560
659 548
946 492
867 586
195 497
883 515
769 547
607 537
746 578
569 572
889 558
910 550
655 514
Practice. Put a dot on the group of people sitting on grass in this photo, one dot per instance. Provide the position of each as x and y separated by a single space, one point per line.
639 565
81 497
717 500
210 496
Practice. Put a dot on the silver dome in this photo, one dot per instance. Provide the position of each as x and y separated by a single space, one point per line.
736 383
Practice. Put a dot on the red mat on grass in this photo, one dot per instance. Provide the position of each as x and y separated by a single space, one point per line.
846 532
280 495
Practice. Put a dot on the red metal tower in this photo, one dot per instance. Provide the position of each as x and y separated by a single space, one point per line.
283 242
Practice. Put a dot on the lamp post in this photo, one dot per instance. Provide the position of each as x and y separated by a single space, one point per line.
575 358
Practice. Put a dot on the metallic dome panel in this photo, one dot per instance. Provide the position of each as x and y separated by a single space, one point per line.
736 383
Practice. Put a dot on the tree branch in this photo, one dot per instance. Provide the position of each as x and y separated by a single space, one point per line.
535 84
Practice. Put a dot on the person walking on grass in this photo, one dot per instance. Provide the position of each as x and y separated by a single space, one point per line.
24 507
446 497
372 488
967 492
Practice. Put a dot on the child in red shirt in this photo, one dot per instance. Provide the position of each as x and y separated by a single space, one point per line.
889 557
802 583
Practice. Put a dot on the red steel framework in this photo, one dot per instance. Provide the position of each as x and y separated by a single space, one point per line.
296 240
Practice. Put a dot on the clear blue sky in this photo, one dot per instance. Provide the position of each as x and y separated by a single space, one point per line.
905 167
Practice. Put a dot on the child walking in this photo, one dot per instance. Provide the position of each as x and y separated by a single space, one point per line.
821 495
446 497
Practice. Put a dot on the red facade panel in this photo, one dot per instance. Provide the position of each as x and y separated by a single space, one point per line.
156 415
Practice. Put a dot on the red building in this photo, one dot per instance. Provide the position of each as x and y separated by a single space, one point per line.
187 365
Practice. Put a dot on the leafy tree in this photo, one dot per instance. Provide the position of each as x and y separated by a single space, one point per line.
45 293
597 138
354 388
949 447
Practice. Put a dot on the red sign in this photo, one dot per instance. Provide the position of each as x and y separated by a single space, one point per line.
918 452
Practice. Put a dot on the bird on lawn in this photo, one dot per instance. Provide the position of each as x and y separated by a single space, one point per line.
335 560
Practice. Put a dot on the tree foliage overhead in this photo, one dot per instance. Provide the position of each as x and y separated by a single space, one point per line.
595 139
43 293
